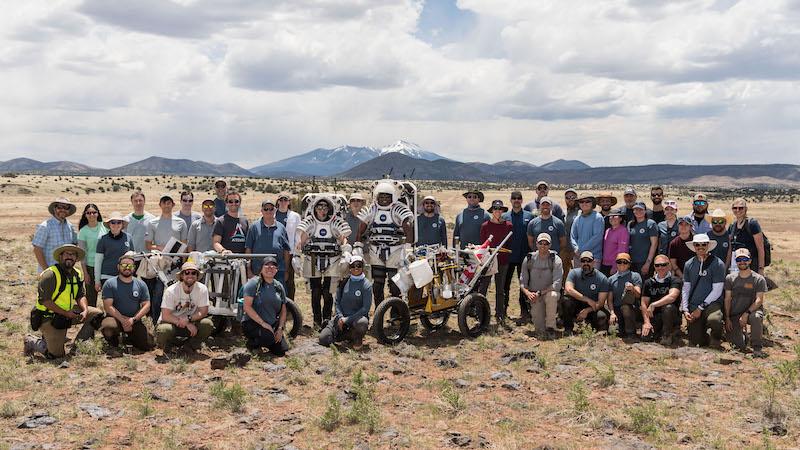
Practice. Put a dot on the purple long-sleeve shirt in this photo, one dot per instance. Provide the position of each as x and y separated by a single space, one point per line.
615 242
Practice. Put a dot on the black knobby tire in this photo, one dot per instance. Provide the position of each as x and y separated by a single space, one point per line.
434 321
393 312
474 314
294 319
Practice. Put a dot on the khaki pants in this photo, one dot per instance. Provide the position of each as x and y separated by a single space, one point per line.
544 311
167 332
55 338
710 318
111 329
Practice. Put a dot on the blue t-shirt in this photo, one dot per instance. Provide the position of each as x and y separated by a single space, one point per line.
112 248
639 243
616 285
552 226
128 297
468 225
432 230
267 239
519 240
590 286
267 301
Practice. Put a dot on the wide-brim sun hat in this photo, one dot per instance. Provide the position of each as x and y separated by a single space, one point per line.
51 208
701 238
476 192
607 195
58 251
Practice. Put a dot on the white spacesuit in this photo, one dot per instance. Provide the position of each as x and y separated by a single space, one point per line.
322 237
388 223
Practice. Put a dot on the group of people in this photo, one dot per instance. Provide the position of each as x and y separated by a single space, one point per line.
642 269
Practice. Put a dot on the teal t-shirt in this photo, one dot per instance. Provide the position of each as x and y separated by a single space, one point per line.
91 236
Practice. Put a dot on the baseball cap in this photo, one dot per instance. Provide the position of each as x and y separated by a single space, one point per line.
220 180
741 252
640 205
546 200
544 237
356 196
629 191
543 183
671 204
269 259
356 258
700 197
267 202
166 196
570 190
624 256
587 254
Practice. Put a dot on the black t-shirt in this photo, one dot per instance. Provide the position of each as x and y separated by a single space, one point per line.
656 290
233 231
658 216
743 237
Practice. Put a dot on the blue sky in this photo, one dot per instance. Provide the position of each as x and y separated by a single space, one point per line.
609 82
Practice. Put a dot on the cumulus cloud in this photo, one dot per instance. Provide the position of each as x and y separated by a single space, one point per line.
607 82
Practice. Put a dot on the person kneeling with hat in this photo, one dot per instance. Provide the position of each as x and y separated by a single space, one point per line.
126 300
353 302
744 304
702 296
265 310
184 310
61 303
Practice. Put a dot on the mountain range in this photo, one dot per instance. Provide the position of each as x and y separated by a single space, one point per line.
407 159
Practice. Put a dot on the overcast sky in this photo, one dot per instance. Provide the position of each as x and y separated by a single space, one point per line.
107 82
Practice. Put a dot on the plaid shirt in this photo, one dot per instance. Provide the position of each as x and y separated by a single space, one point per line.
52 234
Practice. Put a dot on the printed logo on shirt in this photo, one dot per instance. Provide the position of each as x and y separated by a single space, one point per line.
641 230
673 234
238 234
593 286
703 273
724 244
748 285
475 217
357 293
434 225
323 232
550 228
135 293
383 218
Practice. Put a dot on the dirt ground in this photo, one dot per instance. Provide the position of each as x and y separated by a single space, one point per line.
504 390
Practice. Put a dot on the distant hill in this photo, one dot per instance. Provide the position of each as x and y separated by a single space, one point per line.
658 173
330 161
33 166
167 166
565 164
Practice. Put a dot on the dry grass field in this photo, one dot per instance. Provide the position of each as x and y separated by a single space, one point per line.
504 390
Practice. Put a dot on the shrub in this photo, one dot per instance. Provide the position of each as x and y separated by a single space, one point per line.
231 398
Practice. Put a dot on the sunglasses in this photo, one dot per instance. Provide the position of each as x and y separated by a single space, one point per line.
656 195
718 222
187 200
271 265
235 202
268 209
356 266
115 222
208 207
587 261
91 213
661 264
543 243
127 266
541 188
623 261
584 201
700 202
61 206
190 272
737 208
742 259
570 198
704 244
516 198
472 196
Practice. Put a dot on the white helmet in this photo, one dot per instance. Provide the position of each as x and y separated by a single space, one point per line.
385 187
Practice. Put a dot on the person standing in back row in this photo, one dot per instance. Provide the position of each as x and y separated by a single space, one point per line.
54 232
432 228
657 197
519 219
467 229
643 240
497 229
230 231
137 222
542 191
221 188
290 221
186 213
746 232
699 216
587 231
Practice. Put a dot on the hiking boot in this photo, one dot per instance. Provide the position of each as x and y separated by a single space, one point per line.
666 340
715 343
33 344
524 319
550 334
759 353
569 332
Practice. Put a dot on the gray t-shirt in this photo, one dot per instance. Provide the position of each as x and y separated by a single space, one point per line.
665 235
552 226
137 228
200 238
723 243
468 225
233 231
191 217
703 278
128 297
592 285
269 300
112 248
616 285
161 229
744 290
640 234
432 230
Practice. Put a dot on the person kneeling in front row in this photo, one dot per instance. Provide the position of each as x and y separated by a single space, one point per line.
353 302
184 311
744 304
126 300
265 310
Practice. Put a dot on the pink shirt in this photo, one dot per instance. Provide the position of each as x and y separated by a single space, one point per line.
615 242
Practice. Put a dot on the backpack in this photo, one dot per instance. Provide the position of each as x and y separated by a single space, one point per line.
550 264
767 245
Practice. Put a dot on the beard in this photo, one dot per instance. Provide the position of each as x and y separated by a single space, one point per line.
657 201
68 263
